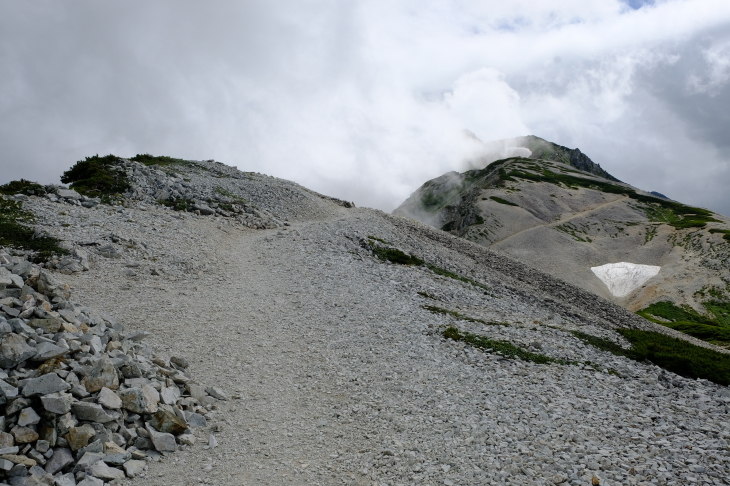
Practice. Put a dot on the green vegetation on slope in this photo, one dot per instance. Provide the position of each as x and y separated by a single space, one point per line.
97 176
503 201
672 354
504 348
22 186
713 328
657 209
725 233
15 233
161 160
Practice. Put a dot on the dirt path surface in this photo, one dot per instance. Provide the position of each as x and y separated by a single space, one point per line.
337 372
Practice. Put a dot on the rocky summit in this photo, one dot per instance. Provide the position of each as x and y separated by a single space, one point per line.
165 321
558 211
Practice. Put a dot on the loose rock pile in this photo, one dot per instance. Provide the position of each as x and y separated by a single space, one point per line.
84 403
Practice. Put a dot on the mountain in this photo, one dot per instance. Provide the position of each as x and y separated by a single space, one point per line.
185 322
560 212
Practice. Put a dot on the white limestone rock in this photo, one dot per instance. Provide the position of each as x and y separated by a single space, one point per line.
624 277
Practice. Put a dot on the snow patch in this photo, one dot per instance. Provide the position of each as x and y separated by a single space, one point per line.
623 278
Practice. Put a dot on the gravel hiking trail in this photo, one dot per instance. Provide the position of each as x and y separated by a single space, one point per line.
336 372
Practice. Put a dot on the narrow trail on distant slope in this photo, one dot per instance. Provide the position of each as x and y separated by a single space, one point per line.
559 222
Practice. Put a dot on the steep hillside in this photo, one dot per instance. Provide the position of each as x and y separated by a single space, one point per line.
342 345
560 212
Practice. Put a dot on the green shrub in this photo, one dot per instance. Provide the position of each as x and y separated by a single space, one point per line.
97 176
504 348
15 233
394 255
22 187
672 354
161 160
503 201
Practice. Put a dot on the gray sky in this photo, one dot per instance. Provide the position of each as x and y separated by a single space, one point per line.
366 100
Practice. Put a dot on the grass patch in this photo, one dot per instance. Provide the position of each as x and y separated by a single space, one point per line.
227 193
161 160
713 327
15 232
504 348
375 238
22 187
503 201
725 233
394 255
97 176
177 203
672 354
440 310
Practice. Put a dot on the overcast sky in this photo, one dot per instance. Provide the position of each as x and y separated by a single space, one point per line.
366 100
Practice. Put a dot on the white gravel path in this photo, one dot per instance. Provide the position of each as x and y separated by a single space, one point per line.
341 377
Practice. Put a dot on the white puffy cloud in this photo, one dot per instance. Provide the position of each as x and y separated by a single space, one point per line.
365 100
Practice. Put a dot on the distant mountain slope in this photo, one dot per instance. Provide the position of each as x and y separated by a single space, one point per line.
562 213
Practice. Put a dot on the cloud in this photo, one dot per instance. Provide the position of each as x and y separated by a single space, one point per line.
367 100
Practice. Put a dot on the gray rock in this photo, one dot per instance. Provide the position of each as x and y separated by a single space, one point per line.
180 362
91 481
163 442
64 480
78 437
102 374
169 395
140 400
14 350
8 391
216 392
68 194
196 391
134 467
93 412
102 471
58 403
6 465
195 419
46 351
52 324
28 417
45 385
117 459
88 459
109 251
109 399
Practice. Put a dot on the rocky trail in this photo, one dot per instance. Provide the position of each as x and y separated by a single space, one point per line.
338 377
330 362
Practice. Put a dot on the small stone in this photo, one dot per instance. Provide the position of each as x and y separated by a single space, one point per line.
212 442
9 450
186 439
102 471
87 459
58 403
137 336
166 421
91 481
7 390
134 467
103 374
180 362
170 395
196 391
6 440
42 446
595 481
28 417
93 412
64 480
216 392
24 435
19 459
78 437
109 399
196 420
5 465
52 324
140 400
14 350
44 385
46 351
163 442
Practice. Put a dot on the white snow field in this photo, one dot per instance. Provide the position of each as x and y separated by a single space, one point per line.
624 277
